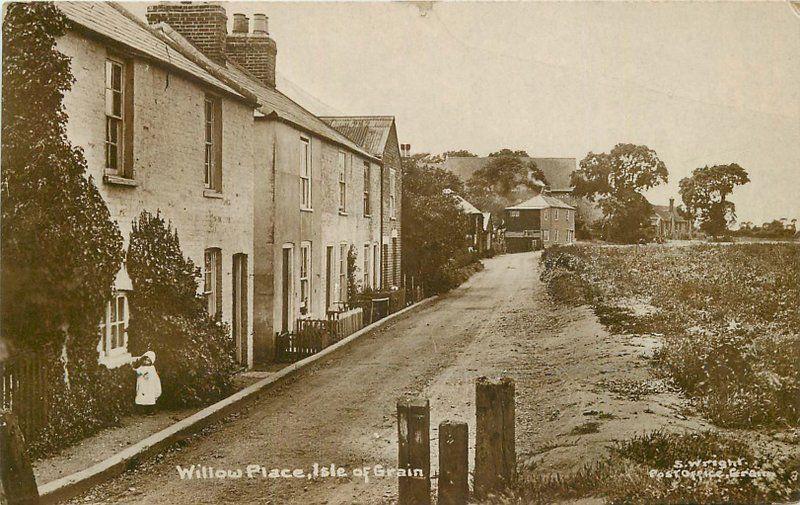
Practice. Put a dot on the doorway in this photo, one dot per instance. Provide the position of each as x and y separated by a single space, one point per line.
287 293
240 307
328 276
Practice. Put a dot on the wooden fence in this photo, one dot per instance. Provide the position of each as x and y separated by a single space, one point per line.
347 323
313 335
24 381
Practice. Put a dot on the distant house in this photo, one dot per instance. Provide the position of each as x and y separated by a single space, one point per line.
481 228
557 171
539 222
668 223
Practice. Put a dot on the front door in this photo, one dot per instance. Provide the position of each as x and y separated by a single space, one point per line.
239 291
286 289
328 276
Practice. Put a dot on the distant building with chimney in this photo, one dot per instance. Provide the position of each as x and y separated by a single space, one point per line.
667 223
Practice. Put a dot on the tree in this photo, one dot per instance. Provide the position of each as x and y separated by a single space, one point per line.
616 181
435 229
60 248
508 152
460 153
195 351
503 181
705 194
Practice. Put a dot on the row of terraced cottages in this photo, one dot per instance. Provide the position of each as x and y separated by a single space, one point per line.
179 116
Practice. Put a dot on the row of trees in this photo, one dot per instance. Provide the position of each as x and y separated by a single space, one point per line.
616 182
61 252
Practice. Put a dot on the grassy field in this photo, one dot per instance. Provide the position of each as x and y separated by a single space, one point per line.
728 318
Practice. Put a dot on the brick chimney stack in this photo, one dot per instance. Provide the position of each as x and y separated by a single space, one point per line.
255 51
204 24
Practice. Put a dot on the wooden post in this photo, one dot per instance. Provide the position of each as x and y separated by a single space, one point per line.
453 463
495 453
414 451
17 483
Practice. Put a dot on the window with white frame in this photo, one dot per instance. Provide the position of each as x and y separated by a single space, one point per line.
514 213
113 328
305 278
545 215
546 235
367 184
305 172
343 272
555 211
212 281
392 193
114 116
555 236
367 263
212 136
342 182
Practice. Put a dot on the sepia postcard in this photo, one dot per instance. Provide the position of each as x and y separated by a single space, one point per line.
400 252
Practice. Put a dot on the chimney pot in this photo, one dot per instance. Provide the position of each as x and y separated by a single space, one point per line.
240 23
260 24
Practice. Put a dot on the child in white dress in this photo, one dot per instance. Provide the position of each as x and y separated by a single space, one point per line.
148 384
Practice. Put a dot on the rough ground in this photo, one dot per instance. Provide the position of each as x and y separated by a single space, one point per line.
569 372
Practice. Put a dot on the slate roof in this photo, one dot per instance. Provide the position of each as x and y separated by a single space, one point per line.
466 207
113 22
662 211
370 132
541 202
273 103
556 170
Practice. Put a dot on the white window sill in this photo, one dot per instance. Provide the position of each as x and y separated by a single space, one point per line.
115 360
212 193
117 180
306 209
342 213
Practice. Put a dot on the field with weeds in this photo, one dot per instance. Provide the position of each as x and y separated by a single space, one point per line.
728 322
729 317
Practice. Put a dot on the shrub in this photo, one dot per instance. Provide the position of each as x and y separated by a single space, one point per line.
194 352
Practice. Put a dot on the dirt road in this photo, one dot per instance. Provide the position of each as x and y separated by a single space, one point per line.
341 411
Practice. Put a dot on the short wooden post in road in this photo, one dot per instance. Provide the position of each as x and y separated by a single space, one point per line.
414 451
453 463
495 452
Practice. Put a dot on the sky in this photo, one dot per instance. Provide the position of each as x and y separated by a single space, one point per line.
701 83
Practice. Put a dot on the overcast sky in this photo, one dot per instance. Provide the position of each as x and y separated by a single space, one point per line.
701 83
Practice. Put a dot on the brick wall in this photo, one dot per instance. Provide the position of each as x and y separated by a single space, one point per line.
169 158
202 24
256 52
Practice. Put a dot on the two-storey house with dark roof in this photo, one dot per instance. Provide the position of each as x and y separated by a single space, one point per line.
322 197
539 222
161 133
